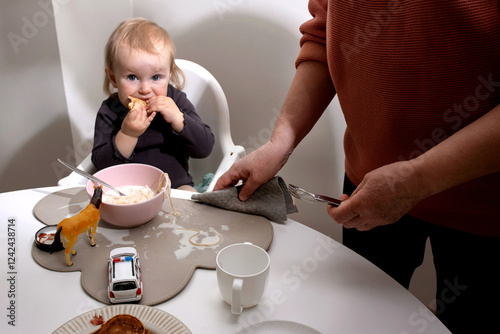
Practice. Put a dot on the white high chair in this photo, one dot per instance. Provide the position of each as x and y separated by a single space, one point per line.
206 94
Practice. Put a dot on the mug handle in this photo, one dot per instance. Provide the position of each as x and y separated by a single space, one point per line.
236 307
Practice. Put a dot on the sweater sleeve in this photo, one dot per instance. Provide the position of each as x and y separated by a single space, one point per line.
196 135
313 41
104 151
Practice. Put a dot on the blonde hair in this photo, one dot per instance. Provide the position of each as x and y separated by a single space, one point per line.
140 34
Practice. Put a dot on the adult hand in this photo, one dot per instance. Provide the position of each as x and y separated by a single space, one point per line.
383 196
254 169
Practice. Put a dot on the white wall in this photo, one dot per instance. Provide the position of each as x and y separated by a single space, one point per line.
34 126
83 29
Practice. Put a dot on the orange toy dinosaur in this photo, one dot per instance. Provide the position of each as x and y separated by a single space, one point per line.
69 228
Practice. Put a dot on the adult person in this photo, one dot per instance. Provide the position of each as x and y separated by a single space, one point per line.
419 87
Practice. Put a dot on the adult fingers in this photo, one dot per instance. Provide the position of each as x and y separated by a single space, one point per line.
226 180
344 213
248 189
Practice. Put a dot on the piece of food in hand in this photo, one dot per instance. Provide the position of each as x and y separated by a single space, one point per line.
135 103
122 324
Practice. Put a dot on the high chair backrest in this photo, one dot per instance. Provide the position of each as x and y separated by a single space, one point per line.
206 94
203 90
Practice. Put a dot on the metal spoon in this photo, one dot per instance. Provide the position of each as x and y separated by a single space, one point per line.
90 177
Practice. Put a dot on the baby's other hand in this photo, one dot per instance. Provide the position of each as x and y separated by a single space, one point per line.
168 109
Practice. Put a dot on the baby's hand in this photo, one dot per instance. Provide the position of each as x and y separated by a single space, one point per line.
168 109
136 122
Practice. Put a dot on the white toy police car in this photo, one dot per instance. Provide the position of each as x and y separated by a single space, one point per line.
124 275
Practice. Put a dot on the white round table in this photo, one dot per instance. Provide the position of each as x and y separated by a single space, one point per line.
315 283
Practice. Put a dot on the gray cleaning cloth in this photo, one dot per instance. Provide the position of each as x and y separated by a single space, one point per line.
271 200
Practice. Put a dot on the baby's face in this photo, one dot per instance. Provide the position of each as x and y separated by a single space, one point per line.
140 74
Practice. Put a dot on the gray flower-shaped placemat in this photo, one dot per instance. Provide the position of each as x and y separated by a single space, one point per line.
165 244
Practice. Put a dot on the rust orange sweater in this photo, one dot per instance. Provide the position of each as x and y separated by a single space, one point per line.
409 74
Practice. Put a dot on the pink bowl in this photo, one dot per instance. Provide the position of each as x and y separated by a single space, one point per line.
129 215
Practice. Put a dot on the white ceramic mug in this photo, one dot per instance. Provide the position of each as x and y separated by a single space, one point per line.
242 273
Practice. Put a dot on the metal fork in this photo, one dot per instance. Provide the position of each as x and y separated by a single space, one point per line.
307 196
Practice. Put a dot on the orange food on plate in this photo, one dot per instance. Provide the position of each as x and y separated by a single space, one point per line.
122 324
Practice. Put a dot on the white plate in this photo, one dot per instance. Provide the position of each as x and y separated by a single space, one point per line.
154 319
279 327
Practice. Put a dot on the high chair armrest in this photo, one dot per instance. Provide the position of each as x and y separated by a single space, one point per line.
237 152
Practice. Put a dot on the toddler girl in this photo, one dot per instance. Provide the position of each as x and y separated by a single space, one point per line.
139 63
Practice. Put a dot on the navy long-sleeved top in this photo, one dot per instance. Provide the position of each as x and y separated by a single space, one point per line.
159 145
